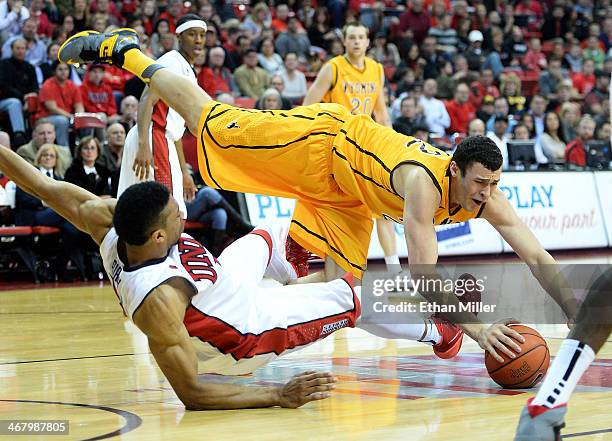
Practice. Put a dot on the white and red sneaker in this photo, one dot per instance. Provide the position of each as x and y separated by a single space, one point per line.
452 338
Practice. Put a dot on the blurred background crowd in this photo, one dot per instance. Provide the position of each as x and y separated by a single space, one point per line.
521 70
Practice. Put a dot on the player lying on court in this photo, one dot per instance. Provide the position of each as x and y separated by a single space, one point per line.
191 306
343 170
542 417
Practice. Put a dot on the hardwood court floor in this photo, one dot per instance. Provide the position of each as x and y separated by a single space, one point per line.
68 354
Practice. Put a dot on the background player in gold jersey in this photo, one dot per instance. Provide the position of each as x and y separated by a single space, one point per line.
357 82
343 169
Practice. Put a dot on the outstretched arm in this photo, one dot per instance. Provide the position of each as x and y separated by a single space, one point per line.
160 317
321 85
504 219
421 199
84 210
144 157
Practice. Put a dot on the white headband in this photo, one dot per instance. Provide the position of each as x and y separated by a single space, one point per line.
191 24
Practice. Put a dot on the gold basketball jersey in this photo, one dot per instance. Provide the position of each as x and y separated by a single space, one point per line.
356 89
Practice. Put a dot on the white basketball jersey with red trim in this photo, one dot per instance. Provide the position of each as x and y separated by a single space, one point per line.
188 259
162 114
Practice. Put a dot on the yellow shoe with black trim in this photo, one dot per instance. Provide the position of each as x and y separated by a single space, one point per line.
93 47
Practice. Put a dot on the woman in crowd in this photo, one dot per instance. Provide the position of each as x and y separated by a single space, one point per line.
31 211
552 140
84 171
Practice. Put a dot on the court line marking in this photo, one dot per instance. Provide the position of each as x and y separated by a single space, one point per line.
132 421
593 432
74 358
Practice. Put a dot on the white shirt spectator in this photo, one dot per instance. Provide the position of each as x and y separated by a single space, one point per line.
273 65
435 114
10 23
502 144
294 87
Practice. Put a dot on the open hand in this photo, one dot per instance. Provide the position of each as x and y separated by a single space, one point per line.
499 336
305 387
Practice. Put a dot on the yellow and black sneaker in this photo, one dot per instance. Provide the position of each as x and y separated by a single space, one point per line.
93 47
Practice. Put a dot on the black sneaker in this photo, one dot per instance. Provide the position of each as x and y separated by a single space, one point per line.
91 46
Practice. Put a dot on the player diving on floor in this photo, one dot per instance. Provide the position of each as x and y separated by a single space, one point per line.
343 170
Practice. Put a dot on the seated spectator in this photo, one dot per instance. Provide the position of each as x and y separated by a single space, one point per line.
521 132
483 88
445 81
320 32
38 13
604 131
172 13
292 40
474 54
210 208
435 112
17 79
45 70
594 52
30 210
384 52
460 110
97 95
84 171
235 55
127 113
573 58
535 58
295 81
515 47
570 116
44 133
279 84
409 118
499 135
510 88
59 100
257 20
215 78
36 49
12 16
599 93
486 109
270 100
584 81
527 121
445 35
551 79
575 151
551 141
112 153
162 27
251 79
556 24
537 111
268 59
476 127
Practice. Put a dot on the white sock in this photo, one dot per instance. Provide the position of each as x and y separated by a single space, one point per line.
392 260
570 363
403 331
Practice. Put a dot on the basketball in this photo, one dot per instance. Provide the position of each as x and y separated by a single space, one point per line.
528 368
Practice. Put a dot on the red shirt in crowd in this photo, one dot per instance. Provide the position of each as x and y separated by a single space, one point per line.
418 23
215 83
116 77
582 83
479 92
460 115
575 153
98 99
65 96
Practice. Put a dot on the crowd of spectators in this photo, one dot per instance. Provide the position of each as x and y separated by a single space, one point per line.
510 69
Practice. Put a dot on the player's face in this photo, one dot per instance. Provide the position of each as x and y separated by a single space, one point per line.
356 41
476 186
174 222
192 42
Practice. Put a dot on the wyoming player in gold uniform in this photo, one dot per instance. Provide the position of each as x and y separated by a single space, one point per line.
356 82
343 169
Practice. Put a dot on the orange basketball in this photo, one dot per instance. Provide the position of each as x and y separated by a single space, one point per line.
528 368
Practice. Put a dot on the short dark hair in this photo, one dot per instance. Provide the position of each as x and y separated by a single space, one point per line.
138 211
477 149
188 17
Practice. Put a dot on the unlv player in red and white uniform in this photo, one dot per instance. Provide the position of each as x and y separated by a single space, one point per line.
161 158
237 326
